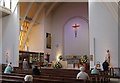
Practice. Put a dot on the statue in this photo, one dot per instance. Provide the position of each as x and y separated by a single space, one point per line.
107 57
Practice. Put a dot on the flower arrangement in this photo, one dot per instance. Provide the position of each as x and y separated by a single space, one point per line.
84 59
57 65
45 64
60 57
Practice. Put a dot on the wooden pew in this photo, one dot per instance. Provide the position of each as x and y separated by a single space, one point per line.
37 76
35 80
62 78
48 79
97 78
10 81
53 72
69 74
63 73
113 74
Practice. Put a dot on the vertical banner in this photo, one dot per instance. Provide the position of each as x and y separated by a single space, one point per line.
91 57
48 40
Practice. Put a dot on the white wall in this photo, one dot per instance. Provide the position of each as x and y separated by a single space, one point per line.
60 17
10 37
0 38
104 29
76 45
47 28
0 43
36 38
119 35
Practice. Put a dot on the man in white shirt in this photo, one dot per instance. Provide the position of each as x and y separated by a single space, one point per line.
28 79
82 74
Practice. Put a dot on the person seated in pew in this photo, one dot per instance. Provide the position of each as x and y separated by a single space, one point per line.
95 71
9 69
35 71
82 74
28 79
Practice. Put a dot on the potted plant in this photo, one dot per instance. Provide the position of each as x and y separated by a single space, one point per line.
58 65
45 64
84 61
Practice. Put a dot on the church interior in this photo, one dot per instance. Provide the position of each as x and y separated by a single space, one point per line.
60 38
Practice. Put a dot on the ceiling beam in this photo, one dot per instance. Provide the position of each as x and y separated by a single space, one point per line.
32 23
25 14
50 9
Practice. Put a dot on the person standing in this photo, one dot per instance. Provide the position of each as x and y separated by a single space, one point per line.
105 65
25 65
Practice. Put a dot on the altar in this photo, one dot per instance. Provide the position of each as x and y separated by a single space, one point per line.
63 63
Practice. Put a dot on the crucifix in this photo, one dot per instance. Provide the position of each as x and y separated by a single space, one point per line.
76 26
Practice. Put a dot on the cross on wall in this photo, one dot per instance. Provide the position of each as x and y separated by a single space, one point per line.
76 26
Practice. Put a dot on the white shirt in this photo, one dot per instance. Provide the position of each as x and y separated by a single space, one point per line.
28 78
82 75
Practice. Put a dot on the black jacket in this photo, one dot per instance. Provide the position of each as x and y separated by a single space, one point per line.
105 66
35 71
